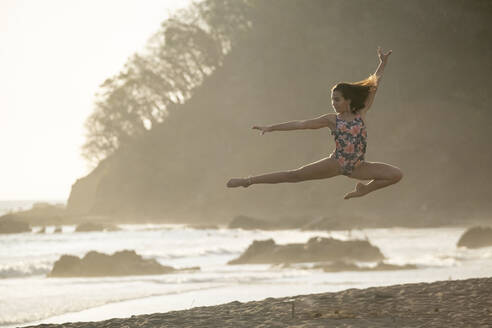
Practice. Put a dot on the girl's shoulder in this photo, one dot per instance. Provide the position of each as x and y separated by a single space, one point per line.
327 120
332 118
362 116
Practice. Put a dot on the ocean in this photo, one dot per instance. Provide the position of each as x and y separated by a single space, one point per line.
28 297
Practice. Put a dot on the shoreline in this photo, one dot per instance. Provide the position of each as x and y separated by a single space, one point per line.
452 303
55 212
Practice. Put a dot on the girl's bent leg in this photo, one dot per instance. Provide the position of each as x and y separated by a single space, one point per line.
322 169
380 174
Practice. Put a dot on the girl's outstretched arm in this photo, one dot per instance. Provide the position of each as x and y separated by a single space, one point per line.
315 123
383 59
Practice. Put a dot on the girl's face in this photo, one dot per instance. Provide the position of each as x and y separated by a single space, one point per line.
339 103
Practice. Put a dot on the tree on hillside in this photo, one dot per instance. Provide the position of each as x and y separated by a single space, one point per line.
188 47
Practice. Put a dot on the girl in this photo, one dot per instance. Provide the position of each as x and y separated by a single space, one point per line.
351 101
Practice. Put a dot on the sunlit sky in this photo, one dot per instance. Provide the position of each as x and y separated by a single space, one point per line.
53 56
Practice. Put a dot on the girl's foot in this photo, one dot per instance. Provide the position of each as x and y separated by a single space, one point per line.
239 182
360 190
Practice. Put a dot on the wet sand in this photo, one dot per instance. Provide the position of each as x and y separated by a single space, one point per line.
452 303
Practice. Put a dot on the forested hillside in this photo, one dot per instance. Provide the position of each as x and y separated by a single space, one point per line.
166 148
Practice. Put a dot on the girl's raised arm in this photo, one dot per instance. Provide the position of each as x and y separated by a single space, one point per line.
383 59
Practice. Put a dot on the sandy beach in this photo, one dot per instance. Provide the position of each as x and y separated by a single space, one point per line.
452 303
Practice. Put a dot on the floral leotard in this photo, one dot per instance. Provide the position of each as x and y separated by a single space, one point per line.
351 144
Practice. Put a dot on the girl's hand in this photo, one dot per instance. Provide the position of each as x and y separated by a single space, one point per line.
383 56
263 129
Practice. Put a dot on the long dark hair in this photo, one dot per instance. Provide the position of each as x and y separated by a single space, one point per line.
357 92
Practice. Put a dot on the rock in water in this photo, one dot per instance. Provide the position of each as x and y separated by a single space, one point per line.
94 264
317 249
476 237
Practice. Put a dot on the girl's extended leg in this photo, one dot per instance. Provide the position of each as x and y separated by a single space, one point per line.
322 169
381 174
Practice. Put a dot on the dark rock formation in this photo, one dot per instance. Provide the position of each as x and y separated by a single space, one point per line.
315 250
58 230
42 214
95 226
11 224
95 264
42 230
476 237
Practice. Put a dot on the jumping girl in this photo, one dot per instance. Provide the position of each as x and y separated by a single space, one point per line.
351 101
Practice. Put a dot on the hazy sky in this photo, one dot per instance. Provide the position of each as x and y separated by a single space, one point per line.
53 56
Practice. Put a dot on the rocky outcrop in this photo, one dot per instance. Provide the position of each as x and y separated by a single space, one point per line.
476 237
95 226
84 193
42 214
317 249
11 224
122 263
